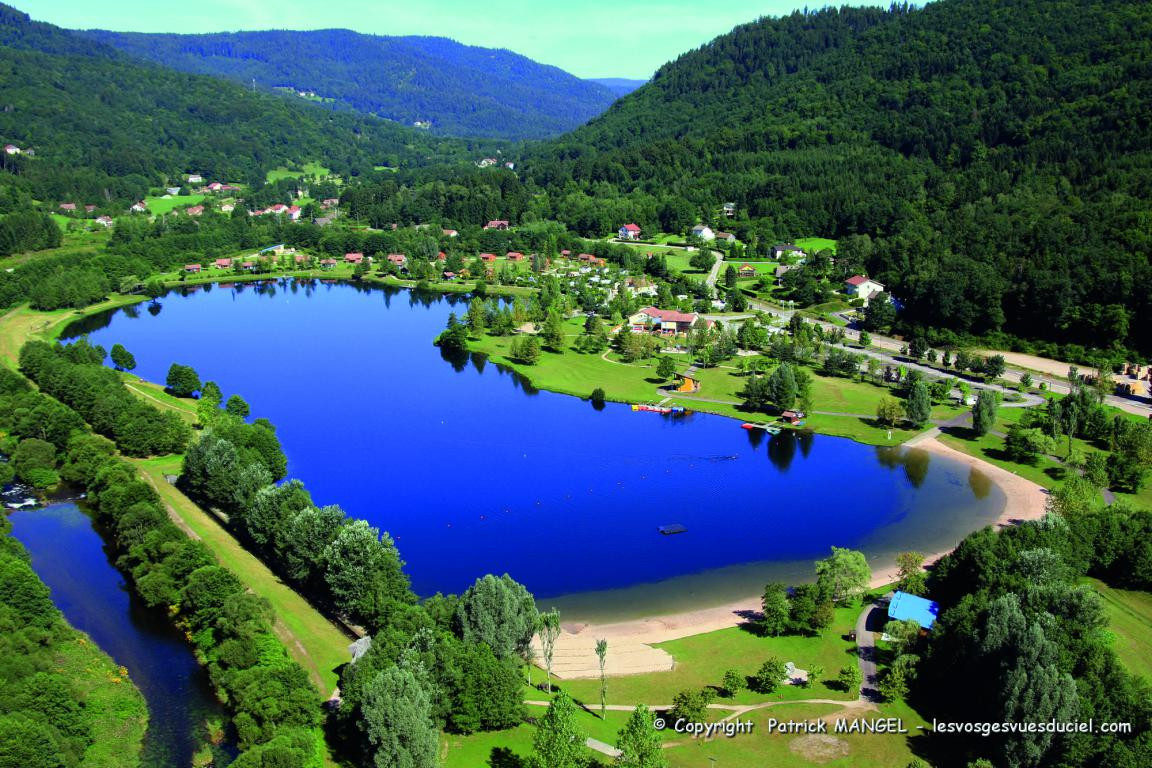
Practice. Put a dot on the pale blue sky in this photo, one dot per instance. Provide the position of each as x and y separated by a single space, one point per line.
589 38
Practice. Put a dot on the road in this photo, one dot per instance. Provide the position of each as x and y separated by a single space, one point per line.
866 655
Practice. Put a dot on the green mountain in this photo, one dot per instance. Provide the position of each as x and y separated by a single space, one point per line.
989 160
453 89
106 126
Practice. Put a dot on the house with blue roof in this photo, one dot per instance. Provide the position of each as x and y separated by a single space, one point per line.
904 606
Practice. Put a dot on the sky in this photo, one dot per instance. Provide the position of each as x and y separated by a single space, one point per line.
589 38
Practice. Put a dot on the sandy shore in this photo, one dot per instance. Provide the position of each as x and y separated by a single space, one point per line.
1025 500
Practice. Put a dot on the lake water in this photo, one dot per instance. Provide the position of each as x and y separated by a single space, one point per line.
474 471
69 556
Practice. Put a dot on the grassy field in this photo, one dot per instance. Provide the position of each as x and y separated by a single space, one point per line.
1130 623
309 169
82 242
316 643
158 206
813 244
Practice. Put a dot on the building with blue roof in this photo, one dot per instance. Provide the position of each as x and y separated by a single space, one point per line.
904 606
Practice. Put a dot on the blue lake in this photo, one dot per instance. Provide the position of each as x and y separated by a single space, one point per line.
69 556
473 471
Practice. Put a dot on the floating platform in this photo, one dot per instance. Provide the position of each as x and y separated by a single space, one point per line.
660 408
668 530
769 428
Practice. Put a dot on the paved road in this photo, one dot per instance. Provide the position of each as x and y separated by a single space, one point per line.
866 655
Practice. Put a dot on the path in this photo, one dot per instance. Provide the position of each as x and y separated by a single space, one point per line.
866 656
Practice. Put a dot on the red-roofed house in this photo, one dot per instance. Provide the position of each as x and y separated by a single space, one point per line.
215 187
67 206
104 221
195 210
663 320
488 257
222 263
330 202
727 237
449 275
862 287
515 256
565 253
585 257
398 259
450 232
441 256
353 258
294 212
248 266
194 268
746 270
496 224
629 232
327 263
140 207
89 208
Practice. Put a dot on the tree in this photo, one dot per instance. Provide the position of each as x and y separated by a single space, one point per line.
182 381
454 338
730 277
984 412
815 672
889 411
993 367
236 406
559 742
702 260
1026 380
122 358
775 610
910 570
903 634
552 334
602 656
364 574
850 678
733 682
1026 444
880 313
919 405
770 676
526 349
665 367
396 718
639 741
499 612
548 627
865 339
782 388
843 576
808 610
598 396
691 705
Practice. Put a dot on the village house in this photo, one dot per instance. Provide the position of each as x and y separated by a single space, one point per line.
140 207
353 258
67 206
222 263
227 208
496 224
89 209
195 178
327 263
330 202
515 256
727 237
730 209
450 232
441 256
652 319
12 149
215 187
861 287
192 268
248 266
104 221
488 257
173 191
703 232
746 270
629 232
449 275
784 269
786 250
792 417
397 259
195 210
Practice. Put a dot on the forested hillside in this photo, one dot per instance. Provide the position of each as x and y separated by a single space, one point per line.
995 156
104 126
456 89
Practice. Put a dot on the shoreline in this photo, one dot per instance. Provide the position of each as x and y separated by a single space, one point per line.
1024 500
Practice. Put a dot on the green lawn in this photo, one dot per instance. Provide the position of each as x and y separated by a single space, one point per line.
309 169
161 205
1130 622
813 244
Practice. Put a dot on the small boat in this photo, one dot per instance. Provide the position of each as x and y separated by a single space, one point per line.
673 528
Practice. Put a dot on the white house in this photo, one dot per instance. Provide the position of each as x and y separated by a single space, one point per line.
786 250
140 207
195 178
861 287
629 232
703 232
729 209
727 237
12 149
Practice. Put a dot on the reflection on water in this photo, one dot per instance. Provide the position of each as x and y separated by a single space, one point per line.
473 470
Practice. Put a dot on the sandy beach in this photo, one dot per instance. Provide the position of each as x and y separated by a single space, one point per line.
1025 500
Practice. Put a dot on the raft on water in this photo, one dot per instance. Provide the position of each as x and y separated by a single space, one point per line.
668 530
660 408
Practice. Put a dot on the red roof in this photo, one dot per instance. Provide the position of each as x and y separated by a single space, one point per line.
353 257
191 267
515 255
630 228
441 256
670 315
397 258
856 280
223 262
487 257
328 262
67 206
496 224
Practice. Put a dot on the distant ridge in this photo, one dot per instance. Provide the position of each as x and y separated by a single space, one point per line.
621 86
429 82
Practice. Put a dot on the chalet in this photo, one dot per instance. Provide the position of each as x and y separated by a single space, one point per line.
195 210
172 190
140 207
89 209
215 187
861 287
730 209
450 232
746 270
727 237
327 263
353 258
67 206
104 221
195 178
441 256
397 259
510 166
496 224
662 320
227 208
703 232
786 251
904 606
515 256
585 257
12 149
488 257
792 417
222 263
294 212
449 275
629 232
193 268
248 266
330 202
565 253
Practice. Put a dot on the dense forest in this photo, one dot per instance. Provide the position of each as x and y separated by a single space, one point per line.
995 155
106 127
459 90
